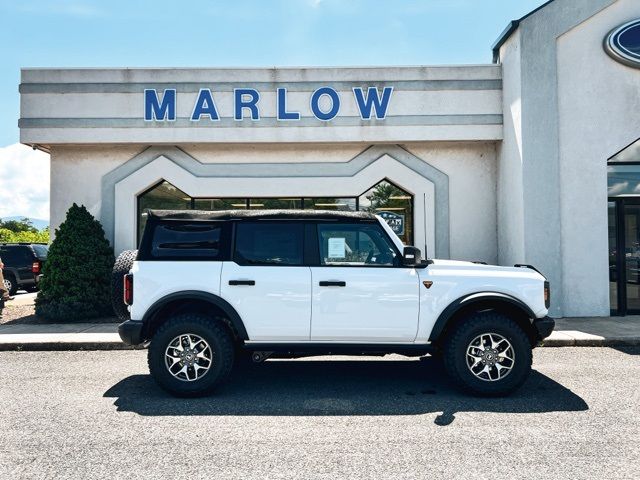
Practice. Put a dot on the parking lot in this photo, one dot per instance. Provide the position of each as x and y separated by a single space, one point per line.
99 414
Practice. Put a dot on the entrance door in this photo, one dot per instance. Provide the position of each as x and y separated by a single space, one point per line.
267 283
360 291
624 255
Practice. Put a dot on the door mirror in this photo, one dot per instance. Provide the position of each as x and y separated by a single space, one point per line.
411 257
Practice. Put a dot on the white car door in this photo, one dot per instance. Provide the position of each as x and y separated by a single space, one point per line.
360 291
266 281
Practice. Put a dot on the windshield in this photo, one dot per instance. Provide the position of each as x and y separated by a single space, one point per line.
41 251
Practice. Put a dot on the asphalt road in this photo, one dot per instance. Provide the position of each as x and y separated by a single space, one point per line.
99 415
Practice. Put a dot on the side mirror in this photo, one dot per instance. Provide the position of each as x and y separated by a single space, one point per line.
411 257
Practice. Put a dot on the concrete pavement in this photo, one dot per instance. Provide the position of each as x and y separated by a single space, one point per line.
570 332
100 415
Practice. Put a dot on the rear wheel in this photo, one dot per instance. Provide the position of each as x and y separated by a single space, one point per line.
123 264
488 354
191 354
10 284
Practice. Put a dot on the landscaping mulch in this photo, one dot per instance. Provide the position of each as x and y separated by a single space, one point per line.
26 315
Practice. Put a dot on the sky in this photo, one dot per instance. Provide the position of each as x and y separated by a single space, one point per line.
223 33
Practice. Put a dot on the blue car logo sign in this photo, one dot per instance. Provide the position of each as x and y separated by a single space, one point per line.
623 44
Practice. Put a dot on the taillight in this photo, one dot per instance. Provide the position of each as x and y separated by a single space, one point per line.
128 289
547 294
35 268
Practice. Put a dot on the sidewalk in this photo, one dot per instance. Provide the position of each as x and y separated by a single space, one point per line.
570 332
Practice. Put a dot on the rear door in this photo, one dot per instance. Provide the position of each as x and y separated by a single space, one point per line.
360 291
267 282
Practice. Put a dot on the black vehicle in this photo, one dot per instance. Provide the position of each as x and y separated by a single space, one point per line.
23 264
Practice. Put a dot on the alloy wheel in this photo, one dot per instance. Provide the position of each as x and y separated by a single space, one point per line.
490 357
188 357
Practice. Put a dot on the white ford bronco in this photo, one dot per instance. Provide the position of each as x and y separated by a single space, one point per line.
207 288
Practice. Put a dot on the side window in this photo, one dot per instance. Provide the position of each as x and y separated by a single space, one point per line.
187 241
269 243
9 256
362 244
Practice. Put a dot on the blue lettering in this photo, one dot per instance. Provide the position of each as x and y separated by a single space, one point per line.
282 107
205 106
154 110
241 102
315 103
372 100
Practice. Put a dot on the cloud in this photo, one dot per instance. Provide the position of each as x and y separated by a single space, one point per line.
315 3
24 182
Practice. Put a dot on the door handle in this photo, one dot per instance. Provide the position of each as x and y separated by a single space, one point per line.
333 283
242 282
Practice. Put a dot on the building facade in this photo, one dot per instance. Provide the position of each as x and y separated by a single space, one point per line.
531 159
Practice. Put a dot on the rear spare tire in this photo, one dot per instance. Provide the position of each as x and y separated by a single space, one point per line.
123 264
488 354
191 354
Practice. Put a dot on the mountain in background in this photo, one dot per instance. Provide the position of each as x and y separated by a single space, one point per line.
36 222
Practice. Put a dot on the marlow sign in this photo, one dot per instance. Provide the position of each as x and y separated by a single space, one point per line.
161 106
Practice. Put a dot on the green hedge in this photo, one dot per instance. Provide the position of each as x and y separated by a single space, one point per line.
77 274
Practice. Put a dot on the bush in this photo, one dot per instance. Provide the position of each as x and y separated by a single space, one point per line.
77 274
9 236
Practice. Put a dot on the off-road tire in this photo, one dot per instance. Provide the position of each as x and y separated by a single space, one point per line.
13 287
455 349
214 332
123 264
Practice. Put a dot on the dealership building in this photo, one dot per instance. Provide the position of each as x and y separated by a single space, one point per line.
533 158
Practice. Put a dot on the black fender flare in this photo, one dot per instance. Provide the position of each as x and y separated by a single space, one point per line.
471 299
219 302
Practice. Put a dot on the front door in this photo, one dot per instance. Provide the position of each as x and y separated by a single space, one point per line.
624 255
267 282
360 291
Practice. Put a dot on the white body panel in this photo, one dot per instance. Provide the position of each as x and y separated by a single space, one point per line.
155 280
277 307
376 305
453 280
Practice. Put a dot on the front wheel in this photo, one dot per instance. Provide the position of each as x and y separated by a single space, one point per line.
191 354
488 354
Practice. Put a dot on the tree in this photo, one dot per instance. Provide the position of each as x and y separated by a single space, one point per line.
18 226
76 276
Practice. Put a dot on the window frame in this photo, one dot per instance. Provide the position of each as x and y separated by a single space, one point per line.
146 244
375 223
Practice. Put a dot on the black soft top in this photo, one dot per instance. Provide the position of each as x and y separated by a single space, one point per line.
203 215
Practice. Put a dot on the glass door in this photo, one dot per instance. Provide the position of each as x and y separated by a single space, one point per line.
624 255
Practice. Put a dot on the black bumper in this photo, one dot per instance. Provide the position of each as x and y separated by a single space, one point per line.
544 327
131 332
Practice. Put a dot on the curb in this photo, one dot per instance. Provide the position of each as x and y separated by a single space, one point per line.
588 342
45 346
64 346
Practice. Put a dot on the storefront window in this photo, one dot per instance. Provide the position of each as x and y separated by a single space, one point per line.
338 204
385 199
215 204
275 203
162 196
394 205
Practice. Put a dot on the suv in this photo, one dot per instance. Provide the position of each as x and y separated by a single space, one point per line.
23 264
206 288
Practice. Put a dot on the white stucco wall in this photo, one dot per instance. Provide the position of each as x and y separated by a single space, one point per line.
471 168
598 111
76 173
510 209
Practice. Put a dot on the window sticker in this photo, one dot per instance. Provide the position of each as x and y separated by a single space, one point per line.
337 248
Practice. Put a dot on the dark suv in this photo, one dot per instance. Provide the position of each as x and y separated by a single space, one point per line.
23 264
